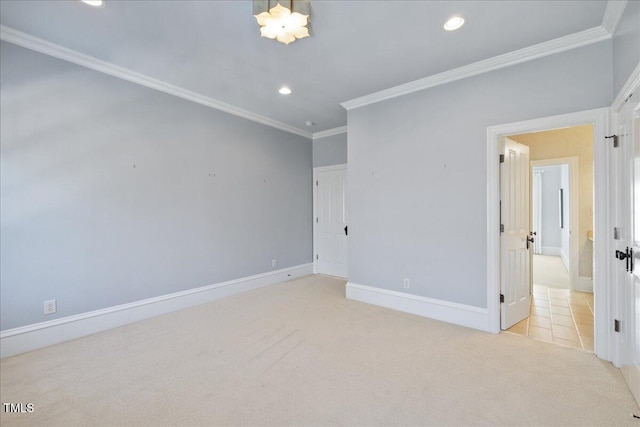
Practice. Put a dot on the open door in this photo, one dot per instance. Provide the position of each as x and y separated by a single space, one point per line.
515 241
626 158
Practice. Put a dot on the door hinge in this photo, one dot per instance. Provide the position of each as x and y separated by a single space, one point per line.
501 298
502 228
316 183
316 220
616 233
501 158
616 144
316 257
616 325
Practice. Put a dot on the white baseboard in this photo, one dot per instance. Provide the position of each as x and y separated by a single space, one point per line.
38 335
551 250
459 314
565 260
584 284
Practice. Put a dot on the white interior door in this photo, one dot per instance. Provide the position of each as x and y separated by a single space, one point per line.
627 267
631 371
515 241
331 222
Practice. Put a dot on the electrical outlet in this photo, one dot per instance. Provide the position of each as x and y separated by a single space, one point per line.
50 306
407 283
274 263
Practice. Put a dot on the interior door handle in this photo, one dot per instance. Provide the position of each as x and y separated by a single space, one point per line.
626 255
346 230
529 240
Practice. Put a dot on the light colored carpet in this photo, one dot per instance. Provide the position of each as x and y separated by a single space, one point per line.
550 271
299 353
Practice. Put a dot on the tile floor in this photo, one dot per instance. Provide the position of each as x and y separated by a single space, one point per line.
560 316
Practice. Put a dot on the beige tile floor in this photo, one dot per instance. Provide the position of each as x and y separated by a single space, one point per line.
560 316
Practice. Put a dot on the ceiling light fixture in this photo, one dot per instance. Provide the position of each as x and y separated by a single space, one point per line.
94 3
283 20
285 90
454 23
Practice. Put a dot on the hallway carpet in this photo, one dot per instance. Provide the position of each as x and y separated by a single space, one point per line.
298 353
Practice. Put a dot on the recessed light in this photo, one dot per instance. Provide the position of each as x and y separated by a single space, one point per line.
94 3
454 23
285 90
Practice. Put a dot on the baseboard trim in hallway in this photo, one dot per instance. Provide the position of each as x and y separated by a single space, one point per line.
39 335
451 312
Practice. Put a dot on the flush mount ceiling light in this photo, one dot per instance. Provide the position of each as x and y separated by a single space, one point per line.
284 90
454 23
283 20
94 3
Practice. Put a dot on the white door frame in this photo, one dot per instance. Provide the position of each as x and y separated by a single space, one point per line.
574 226
315 207
599 118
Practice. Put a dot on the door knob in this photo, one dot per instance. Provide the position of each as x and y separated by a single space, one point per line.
626 255
529 240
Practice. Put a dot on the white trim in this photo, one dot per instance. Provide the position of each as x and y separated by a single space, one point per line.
600 120
551 251
451 312
28 41
540 50
633 82
573 263
584 284
315 207
613 14
566 262
330 132
38 335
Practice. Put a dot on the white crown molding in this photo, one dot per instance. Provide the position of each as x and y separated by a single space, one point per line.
330 132
613 14
540 50
632 84
28 41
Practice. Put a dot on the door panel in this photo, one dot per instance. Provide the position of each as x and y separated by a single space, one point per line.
331 220
515 280
629 299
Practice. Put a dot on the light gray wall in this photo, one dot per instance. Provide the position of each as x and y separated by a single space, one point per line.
417 170
112 192
330 151
626 45
550 224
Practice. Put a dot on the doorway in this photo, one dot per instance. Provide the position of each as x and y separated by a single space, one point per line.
330 228
560 223
597 119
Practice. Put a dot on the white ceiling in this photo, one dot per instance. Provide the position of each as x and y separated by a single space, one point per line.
356 47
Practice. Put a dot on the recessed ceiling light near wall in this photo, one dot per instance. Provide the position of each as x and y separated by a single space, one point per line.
94 3
284 90
453 23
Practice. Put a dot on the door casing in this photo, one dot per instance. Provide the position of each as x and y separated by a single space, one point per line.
600 119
